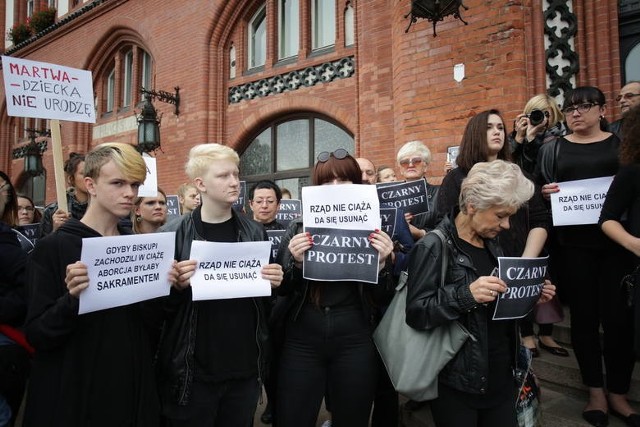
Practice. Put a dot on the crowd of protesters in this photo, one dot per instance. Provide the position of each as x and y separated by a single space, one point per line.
176 361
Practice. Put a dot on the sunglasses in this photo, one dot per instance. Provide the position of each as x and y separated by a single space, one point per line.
415 161
339 154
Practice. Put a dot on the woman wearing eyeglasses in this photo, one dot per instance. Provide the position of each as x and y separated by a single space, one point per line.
540 122
590 265
413 159
27 212
328 325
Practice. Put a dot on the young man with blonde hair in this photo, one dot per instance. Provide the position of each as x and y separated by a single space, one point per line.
212 357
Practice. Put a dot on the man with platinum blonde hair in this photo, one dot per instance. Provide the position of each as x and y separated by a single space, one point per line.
211 360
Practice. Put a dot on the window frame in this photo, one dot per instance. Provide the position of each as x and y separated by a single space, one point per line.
287 30
260 15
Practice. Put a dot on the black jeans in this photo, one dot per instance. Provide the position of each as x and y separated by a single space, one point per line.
230 403
327 349
592 277
454 408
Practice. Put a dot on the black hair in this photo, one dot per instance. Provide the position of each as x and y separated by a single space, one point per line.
266 184
587 94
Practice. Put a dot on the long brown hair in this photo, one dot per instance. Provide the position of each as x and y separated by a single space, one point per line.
474 147
10 212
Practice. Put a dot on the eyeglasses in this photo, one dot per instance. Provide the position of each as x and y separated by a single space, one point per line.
582 108
25 208
626 96
415 161
339 154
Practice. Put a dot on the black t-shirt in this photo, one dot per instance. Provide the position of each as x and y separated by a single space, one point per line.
584 161
498 331
226 346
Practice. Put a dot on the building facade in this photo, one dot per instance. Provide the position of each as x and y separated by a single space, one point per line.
282 80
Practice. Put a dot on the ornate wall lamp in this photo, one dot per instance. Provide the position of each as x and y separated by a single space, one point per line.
149 121
32 152
434 11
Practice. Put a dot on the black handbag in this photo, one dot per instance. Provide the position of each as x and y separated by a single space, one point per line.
414 358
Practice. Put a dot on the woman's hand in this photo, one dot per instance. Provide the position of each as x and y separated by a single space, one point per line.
185 270
299 244
273 273
549 189
520 125
487 288
548 292
382 243
58 218
77 278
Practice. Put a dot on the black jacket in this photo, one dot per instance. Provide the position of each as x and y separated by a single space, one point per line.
428 221
429 306
76 209
176 357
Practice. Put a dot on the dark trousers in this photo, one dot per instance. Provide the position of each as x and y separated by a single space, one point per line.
230 403
526 328
454 408
386 409
592 277
327 350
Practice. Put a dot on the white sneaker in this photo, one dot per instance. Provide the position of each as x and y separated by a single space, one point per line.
326 423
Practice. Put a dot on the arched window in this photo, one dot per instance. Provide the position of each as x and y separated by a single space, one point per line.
258 38
632 64
349 25
286 150
128 69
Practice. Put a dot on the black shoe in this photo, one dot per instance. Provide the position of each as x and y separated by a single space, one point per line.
596 418
414 405
556 351
632 420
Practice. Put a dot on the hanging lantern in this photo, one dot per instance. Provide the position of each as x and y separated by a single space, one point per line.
434 11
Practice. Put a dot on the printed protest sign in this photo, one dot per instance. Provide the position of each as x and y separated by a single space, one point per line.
126 269
150 186
340 220
229 270
388 220
47 91
524 278
275 237
239 204
30 231
173 207
410 196
289 210
579 202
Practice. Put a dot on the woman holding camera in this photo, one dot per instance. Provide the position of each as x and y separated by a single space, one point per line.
540 122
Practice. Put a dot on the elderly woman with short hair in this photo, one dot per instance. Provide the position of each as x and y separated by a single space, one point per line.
476 387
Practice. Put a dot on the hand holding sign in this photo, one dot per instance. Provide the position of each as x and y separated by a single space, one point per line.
485 289
77 278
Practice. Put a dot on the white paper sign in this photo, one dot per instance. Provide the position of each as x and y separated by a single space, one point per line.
47 91
126 269
579 202
150 186
229 270
346 206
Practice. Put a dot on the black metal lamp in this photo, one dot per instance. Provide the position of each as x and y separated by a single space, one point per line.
148 127
33 158
149 121
434 11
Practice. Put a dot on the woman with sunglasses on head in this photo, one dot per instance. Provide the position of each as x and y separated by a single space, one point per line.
540 122
149 213
328 343
590 266
413 159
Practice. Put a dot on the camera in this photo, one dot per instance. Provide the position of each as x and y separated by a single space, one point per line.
537 116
